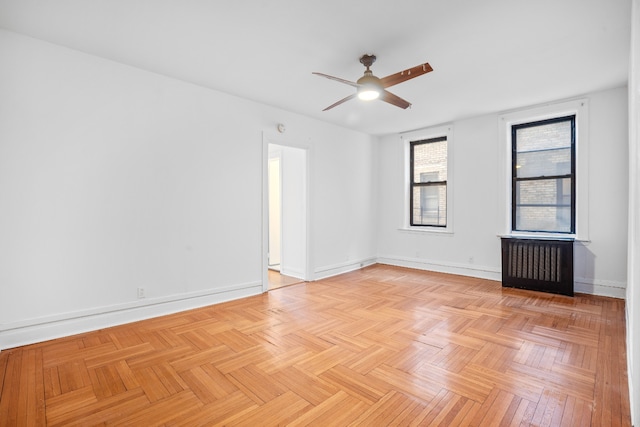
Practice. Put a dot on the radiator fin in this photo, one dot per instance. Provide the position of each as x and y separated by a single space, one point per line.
537 262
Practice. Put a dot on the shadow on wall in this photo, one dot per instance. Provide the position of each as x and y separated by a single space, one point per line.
584 267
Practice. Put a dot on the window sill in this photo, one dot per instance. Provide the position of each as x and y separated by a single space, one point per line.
543 236
427 230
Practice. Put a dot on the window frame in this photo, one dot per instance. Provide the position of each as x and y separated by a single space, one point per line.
413 184
420 135
578 107
571 175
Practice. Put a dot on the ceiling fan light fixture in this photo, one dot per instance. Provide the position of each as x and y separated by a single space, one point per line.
368 93
369 87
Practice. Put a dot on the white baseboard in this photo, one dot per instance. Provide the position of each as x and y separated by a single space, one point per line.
46 328
336 269
606 288
292 273
470 270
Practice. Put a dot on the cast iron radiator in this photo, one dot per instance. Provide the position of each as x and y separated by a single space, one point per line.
538 265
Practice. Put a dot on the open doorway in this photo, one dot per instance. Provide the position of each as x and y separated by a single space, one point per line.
275 210
287 216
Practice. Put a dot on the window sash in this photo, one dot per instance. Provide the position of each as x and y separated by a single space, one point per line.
435 217
517 179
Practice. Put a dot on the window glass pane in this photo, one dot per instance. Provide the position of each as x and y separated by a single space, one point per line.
551 219
543 163
544 192
430 161
543 205
544 137
430 205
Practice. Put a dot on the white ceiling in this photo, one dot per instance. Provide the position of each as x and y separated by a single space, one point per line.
487 56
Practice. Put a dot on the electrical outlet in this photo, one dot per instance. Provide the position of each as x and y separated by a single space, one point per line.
140 292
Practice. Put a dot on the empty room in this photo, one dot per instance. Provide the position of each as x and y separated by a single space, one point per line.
333 213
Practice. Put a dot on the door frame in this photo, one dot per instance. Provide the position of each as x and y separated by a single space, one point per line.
285 142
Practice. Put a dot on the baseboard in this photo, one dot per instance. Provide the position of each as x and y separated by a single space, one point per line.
292 273
336 269
51 327
470 270
630 371
604 288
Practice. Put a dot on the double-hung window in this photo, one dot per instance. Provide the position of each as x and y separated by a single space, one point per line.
543 186
544 165
428 182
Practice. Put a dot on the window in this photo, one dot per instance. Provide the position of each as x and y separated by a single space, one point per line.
428 182
570 220
543 175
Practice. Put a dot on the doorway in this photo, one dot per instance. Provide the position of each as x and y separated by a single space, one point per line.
275 210
287 215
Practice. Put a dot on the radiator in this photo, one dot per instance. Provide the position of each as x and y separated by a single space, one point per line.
538 265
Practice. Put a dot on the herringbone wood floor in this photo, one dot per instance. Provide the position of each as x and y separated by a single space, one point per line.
381 346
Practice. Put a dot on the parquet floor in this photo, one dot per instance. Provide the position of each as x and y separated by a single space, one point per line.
277 280
377 347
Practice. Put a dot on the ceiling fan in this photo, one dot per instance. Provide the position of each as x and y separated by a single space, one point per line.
370 87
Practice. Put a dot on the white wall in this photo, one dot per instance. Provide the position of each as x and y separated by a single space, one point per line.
344 206
633 290
601 264
473 248
113 178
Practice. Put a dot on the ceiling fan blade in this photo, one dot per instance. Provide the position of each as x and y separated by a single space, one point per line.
405 75
340 102
338 79
394 100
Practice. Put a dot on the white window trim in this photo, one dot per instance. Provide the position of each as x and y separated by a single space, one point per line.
419 135
579 107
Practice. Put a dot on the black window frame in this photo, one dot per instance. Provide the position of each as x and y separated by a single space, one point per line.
572 175
413 184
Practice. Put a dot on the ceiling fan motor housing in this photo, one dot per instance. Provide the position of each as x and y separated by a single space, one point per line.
367 60
369 79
